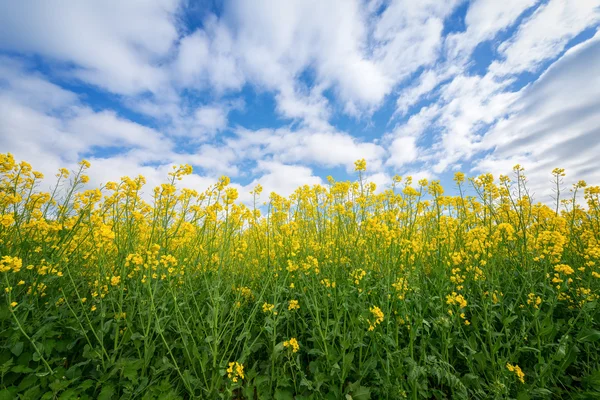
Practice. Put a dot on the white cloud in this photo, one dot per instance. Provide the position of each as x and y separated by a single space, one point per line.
192 60
343 45
114 44
428 81
403 151
545 34
282 179
550 128
382 181
484 19
327 148
211 118
409 35
318 60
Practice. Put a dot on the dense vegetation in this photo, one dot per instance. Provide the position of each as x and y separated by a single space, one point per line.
334 292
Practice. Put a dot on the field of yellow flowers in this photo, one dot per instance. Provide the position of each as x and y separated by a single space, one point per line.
335 292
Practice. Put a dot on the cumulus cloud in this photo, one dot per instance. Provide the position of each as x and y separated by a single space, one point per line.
283 179
326 149
136 87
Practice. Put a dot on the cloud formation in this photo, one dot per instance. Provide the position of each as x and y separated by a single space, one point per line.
285 93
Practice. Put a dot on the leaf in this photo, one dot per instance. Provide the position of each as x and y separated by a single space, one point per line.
283 394
523 395
589 335
6 366
540 392
6 394
592 381
107 392
361 393
85 385
130 370
17 349
21 369
31 393
68 395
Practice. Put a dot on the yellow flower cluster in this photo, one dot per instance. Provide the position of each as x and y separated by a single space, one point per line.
360 165
235 371
457 299
13 264
267 308
534 300
293 305
357 275
327 283
293 344
517 371
378 314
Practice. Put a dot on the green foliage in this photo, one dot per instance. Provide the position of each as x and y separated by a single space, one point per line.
336 293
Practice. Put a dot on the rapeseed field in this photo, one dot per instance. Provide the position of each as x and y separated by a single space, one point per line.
338 291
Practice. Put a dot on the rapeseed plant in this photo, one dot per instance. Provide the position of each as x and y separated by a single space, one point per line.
129 292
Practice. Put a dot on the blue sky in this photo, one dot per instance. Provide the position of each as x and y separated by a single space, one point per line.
284 93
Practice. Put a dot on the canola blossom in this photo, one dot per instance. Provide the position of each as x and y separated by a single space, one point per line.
336 291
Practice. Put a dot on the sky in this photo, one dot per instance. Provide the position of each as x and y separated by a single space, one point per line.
285 93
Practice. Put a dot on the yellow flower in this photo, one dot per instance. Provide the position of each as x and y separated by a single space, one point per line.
7 220
293 305
266 307
93 308
8 263
235 371
293 344
459 177
517 370
457 299
565 269
378 314
84 163
63 173
13 304
360 165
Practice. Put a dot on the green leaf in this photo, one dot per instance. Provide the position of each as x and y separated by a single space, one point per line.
361 393
68 395
589 335
523 395
21 369
130 370
6 366
85 385
6 394
17 349
107 392
283 394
